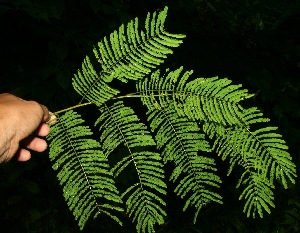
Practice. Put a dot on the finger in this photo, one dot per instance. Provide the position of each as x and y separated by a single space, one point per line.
46 116
23 155
52 120
43 130
36 144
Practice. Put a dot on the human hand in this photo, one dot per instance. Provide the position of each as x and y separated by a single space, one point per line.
21 124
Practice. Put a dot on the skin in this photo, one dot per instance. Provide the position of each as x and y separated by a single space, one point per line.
22 124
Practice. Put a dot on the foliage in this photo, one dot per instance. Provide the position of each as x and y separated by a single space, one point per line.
182 114
82 167
40 50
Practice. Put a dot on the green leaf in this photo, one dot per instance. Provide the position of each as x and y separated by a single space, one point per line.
83 170
119 125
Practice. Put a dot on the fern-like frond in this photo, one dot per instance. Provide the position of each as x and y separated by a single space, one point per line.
215 103
130 53
261 152
119 125
91 86
181 140
181 113
202 99
144 203
265 144
258 193
83 170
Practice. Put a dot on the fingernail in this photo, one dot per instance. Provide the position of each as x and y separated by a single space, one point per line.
52 119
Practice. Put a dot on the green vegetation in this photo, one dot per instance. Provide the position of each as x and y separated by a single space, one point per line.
254 44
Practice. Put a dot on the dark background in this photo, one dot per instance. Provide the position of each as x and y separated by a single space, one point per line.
256 43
